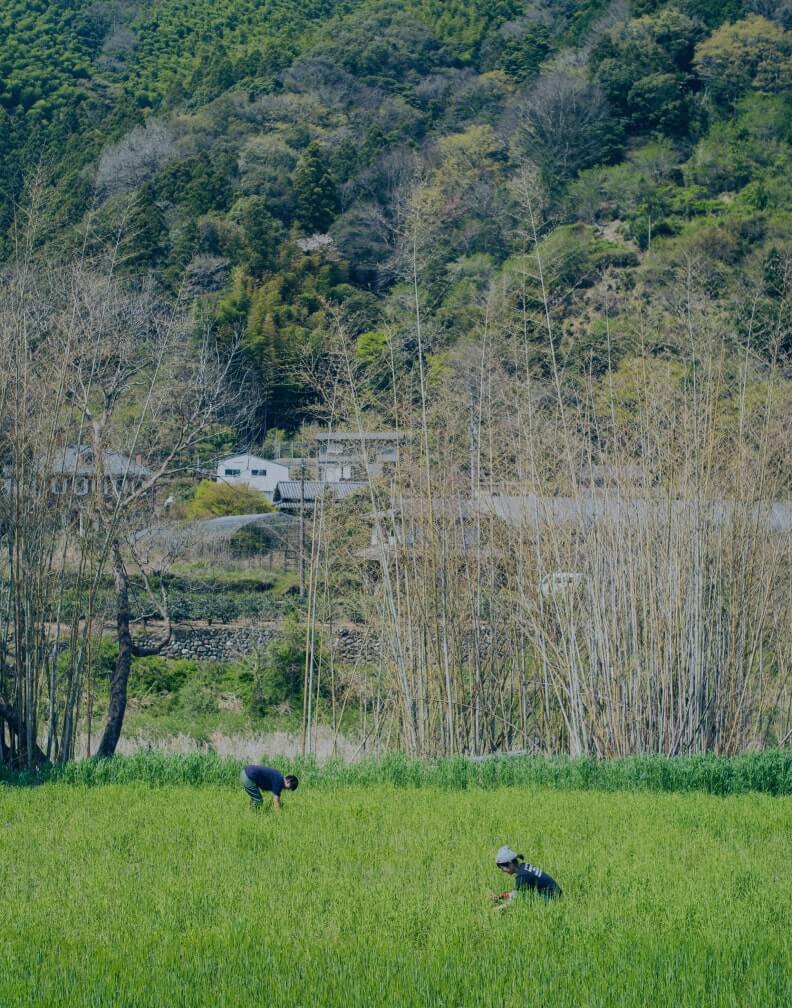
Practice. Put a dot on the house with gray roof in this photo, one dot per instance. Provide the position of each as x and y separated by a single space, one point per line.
357 455
74 470
254 471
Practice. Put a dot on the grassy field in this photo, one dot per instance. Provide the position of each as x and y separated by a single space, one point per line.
129 896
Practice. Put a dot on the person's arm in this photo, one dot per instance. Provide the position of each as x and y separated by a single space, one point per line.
502 900
276 802
505 900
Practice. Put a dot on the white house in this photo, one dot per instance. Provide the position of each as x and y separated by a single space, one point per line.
259 473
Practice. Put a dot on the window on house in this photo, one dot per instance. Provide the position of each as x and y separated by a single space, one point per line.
232 472
258 472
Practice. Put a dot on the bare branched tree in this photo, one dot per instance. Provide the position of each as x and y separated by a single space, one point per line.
106 394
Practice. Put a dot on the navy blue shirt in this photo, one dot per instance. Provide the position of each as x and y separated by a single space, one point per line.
266 778
533 879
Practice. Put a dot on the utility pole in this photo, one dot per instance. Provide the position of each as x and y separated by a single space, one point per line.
302 528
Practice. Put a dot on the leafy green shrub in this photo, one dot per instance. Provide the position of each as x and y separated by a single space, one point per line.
280 674
215 499
161 675
198 696
575 254
104 653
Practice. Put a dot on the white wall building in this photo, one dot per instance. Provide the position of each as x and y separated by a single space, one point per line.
351 455
259 473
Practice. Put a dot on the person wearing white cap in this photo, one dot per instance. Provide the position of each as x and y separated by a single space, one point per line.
527 878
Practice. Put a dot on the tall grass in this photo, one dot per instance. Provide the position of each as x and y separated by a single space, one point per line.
767 772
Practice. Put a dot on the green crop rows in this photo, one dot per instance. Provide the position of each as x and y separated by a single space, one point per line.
133 897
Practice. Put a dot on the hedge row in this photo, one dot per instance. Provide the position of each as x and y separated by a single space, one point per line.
769 772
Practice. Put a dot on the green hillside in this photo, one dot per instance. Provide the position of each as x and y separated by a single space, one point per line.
219 136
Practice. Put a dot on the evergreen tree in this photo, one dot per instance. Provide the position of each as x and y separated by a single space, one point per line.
315 192
263 233
775 274
147 232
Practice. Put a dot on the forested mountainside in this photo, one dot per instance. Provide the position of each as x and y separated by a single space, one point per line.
284 165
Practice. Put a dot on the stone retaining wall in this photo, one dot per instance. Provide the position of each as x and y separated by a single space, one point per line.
226 643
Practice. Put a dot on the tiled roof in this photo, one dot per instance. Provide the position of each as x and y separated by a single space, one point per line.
360 436
72 460
310 490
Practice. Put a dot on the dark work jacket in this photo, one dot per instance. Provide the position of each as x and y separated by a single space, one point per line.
529 878
266 778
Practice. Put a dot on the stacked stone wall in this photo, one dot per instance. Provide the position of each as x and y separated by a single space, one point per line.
227 643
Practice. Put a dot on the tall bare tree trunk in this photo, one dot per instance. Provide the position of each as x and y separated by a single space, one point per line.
123 666
127 650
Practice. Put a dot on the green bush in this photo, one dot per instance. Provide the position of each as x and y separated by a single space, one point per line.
197 697
216 499
104 653
161 675
768 772
279 674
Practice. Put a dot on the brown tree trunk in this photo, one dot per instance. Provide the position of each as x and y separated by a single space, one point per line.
118 683
126 652
38 757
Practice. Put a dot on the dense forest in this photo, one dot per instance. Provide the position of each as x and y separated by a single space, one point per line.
282 164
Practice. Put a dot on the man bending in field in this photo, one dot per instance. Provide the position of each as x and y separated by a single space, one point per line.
527 878
255 779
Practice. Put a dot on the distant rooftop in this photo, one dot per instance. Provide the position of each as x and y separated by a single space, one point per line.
359 436
295 491
81 461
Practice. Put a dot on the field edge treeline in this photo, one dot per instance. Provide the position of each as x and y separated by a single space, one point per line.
768 772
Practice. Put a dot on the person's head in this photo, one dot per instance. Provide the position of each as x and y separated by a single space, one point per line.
291 782
507 860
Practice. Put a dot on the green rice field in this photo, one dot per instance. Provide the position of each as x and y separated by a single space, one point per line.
131 896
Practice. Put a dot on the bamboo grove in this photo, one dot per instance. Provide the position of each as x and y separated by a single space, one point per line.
594 565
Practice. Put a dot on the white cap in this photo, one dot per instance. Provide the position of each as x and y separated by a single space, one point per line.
506 855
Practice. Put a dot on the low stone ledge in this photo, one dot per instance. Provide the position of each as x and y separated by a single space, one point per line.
227 643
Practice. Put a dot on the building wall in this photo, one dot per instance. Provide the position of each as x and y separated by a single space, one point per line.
340 460
261 474
337 472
